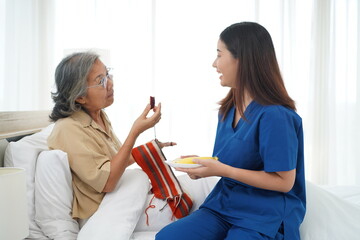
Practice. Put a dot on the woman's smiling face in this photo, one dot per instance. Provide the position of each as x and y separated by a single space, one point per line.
226 65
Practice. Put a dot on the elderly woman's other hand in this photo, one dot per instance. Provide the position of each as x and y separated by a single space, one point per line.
165 144
143 122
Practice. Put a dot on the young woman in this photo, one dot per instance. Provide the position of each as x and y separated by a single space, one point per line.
259 143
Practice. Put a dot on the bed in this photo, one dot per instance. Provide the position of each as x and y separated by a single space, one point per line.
131 212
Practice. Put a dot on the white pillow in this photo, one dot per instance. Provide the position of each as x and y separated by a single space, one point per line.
143 235
120 210
54 195
349 193
157 219
328 216
24 153
198 189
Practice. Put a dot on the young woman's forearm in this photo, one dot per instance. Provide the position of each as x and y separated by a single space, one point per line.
275 181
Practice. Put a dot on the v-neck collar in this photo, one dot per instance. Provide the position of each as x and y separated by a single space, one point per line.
232 117
241 120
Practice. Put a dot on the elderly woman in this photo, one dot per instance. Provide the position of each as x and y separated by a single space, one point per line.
97 158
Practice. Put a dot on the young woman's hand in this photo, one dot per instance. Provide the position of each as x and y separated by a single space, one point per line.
210 167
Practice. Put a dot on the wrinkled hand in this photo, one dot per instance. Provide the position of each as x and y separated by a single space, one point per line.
165 144
143 122
210 167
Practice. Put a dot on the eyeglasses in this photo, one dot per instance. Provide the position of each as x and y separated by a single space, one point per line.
103 80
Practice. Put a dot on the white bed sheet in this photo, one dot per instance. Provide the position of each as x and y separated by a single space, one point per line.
143 236
333 213
328 217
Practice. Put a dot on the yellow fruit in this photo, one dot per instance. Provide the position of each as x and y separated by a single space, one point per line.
189 160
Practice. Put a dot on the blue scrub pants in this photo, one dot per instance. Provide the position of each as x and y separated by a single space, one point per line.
204 224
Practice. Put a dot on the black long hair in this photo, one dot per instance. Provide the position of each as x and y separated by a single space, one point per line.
258 70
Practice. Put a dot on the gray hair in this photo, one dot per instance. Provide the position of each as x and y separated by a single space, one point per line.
71 83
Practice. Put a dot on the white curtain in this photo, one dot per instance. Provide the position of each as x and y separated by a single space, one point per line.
332 126
26 39
165 48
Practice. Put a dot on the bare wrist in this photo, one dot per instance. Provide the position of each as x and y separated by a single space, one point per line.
226 171
134 133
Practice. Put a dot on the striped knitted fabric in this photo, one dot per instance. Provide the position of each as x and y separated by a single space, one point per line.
164 183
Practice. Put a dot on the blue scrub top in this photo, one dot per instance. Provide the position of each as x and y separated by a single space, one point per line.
271 140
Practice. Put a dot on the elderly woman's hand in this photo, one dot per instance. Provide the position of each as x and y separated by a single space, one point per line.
143 122
165 144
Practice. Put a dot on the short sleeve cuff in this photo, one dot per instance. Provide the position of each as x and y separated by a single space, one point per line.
102 177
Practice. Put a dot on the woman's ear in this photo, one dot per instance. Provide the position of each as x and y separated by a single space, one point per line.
80 100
